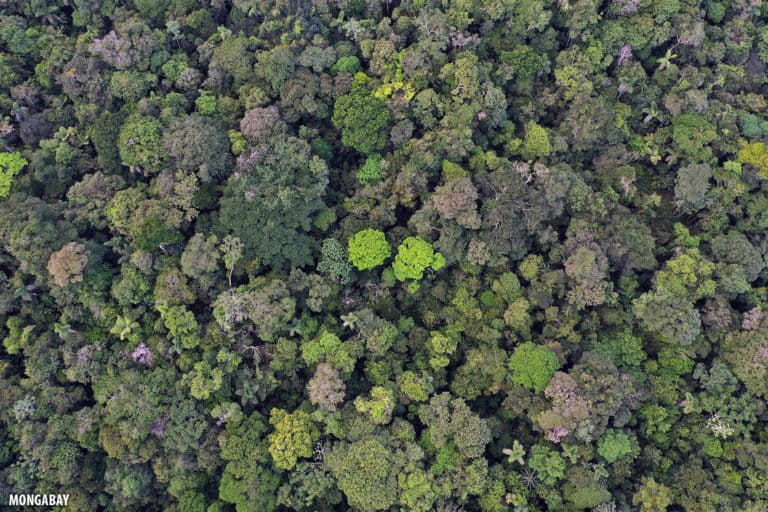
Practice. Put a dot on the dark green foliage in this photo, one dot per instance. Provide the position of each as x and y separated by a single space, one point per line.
269 204
346 64
352 255
333 260
248 480
365 474
200 146
691 187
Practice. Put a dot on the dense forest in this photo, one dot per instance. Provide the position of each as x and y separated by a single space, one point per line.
383 255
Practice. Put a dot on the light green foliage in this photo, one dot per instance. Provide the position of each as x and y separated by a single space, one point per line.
10 165
548 464
124 328
131 85
440 347
236 141
536 142
294 437
379 406
452 171
684 236
181 324
614 445
346 64
18 335
533 366
755 154
368 249
515 454
363 121
205 380
140 143
692 133
327 347
418 491
177 64
412 386
652 496
370 171
232 250
414 256
207 105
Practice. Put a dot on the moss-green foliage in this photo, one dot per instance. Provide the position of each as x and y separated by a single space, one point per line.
327 347
614 445
536 142
10 165
752 127
652 496
548 464
379 406
755 154
131 85
623 348
524 60
363 121
414 256
533 365
368 249
204 380
365 474
140 143
181 324
293 438
691 134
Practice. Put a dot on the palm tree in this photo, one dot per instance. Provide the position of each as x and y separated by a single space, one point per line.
666 60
